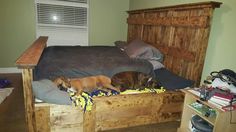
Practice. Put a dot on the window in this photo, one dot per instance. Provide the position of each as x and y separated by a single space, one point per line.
64 21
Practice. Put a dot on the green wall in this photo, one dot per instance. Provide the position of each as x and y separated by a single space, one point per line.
222 47
17 25
17 29
107 21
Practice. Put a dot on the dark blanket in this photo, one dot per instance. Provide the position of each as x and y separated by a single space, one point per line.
171 81
82 61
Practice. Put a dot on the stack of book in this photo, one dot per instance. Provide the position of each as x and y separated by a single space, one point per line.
223 101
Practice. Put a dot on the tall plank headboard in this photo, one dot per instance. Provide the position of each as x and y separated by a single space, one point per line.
180 32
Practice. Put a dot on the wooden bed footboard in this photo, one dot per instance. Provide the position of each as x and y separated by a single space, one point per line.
119 111
124 111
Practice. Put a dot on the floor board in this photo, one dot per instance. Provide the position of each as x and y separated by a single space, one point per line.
12 116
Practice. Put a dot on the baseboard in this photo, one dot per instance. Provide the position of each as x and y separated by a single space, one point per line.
10 70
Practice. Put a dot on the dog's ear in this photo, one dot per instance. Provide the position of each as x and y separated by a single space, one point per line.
149 79
59 81
65 79
62 77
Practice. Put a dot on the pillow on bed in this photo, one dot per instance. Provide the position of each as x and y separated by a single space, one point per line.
156 64
47 91
139 49
170 80
121 44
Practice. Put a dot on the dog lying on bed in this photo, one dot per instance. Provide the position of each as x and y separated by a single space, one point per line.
133 80
86 84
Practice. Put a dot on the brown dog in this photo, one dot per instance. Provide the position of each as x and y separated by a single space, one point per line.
133 80
87 84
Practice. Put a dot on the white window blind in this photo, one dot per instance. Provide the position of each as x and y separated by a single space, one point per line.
76 1
64 21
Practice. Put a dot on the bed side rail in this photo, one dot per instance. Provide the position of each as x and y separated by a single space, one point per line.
31 56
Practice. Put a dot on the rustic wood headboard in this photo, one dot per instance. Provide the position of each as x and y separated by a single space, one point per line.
180 32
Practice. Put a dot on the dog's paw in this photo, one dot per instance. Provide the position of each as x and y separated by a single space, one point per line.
109 93
71 90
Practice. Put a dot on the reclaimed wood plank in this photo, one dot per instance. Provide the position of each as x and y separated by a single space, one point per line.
197 21
31 56
27 77
42 114
58 118
66 117
189 6
137 109
89 122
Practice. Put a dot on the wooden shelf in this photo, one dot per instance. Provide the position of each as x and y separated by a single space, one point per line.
221 121
211 120
203 102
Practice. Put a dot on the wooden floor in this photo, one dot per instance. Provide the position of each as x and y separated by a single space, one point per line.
12 112
12 118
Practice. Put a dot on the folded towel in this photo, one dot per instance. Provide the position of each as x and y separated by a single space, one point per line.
4 93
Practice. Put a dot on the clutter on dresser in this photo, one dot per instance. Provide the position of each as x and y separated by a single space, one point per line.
223 94
219 90
224 79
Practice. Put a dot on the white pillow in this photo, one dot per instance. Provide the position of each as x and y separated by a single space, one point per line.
156 64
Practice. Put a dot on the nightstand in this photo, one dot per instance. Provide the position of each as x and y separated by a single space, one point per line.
221 121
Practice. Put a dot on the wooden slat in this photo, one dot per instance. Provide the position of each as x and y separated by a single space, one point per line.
89 123
27 77
58 118
137 109
178 53
32 55
197 21
42 114
66 118
189 6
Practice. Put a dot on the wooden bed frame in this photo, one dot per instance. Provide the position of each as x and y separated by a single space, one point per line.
181 32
